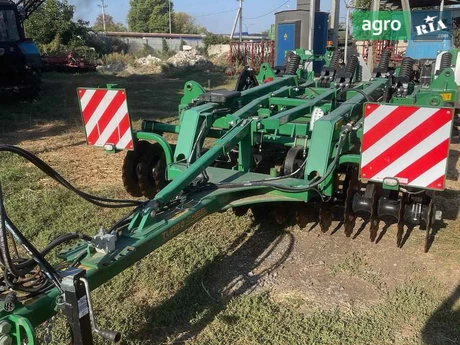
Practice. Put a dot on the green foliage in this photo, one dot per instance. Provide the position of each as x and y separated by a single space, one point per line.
115 58
456 32
184 23
149 16
363 4
147 50
53 20
110 24
211 39
360 5
55 33
164 46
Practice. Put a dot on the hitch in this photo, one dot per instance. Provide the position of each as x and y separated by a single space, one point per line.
78 308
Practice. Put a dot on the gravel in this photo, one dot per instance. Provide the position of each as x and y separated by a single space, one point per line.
148 61
187 58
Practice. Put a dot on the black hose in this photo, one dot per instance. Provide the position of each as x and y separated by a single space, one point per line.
4 249
19 268
34 253
361 92
53 244
98 201
265 183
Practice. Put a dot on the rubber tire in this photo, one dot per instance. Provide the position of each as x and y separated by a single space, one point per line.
131 167
151 171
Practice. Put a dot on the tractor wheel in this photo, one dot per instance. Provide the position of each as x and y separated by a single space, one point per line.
131 166
151 171
33 83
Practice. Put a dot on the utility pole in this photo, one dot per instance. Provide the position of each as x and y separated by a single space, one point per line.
335 21
312 24
170 21
347 24
103 6
375 6
238 17
241 20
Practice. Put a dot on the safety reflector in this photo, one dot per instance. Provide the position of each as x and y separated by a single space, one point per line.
106 118
409 143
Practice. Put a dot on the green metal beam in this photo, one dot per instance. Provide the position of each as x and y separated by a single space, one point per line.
326 130
286 116
221 147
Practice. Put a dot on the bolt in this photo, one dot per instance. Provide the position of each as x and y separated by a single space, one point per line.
6 340
5 327
231 123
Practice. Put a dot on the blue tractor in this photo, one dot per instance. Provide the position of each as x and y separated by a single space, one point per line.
20 61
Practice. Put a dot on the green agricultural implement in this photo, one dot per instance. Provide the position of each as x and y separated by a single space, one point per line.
307 149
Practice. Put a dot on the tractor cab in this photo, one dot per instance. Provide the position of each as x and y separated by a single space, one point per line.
10 29
20 60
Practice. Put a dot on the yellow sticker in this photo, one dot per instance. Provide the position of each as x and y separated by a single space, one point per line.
338 125
446 96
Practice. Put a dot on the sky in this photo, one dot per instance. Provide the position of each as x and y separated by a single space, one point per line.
216 15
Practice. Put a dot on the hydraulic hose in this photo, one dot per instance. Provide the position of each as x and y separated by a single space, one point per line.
288 189
23 274
98 201
4 249
53 244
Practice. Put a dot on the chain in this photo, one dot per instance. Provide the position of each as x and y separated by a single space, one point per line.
49 327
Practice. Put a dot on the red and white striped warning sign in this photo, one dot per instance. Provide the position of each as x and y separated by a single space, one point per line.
409 143
106 118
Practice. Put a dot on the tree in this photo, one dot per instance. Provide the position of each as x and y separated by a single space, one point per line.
54 19
52 28
184 23
211 39
149 15
110 24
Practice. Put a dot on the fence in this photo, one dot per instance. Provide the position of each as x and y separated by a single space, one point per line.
397 50
252 53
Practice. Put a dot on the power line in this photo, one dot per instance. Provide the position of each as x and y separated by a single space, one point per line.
266 14
212 14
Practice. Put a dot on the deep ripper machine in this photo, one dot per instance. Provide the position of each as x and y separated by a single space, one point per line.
302 147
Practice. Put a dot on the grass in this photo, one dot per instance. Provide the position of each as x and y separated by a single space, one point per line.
357 266
257 319
177 295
